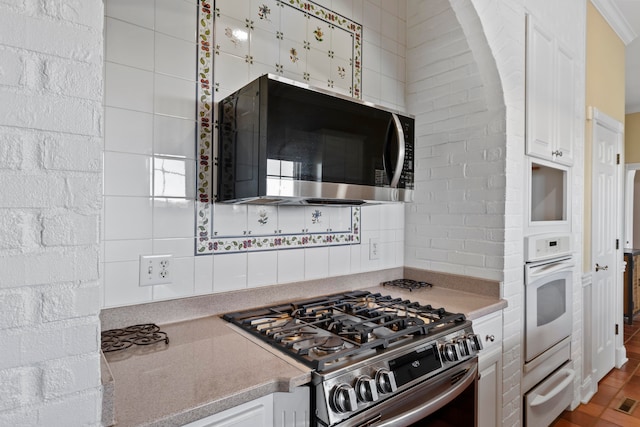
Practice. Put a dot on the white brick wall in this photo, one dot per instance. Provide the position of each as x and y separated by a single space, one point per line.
460 146
50 174
470 109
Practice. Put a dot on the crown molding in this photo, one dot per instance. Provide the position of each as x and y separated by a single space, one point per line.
612 14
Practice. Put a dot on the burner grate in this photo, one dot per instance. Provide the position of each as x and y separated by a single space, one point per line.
364 321
409 284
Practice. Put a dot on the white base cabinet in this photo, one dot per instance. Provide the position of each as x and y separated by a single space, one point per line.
273 410
489 329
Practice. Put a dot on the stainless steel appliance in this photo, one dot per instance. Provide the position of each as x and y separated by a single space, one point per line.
548 373
281 141
377 360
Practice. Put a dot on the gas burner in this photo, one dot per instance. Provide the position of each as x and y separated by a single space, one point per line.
407 284
328 345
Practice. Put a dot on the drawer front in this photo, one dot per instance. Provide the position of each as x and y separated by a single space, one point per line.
489 329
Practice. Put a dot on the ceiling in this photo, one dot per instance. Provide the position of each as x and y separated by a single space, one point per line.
624 18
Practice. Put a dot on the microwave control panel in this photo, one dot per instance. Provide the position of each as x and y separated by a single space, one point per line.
543 246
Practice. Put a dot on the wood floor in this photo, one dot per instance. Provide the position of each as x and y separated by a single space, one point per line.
612 390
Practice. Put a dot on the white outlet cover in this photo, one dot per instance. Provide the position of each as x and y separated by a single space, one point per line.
374 248
156 270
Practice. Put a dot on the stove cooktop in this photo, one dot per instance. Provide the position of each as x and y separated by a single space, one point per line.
340 329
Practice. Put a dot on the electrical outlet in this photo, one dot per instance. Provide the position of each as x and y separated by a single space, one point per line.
155 269
374 248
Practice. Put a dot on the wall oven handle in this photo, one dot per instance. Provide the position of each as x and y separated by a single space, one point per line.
544 398
429 407
395 179
550 268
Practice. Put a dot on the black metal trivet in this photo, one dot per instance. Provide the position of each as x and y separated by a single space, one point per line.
407 284
119 339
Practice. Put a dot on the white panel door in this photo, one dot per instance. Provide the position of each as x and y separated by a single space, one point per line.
605 230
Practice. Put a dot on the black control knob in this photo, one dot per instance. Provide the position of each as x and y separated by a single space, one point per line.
366 389
449 352
386 381
343 398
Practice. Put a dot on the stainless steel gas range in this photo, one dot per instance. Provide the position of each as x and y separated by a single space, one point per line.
376 360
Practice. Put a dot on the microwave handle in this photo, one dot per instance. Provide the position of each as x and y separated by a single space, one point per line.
401 151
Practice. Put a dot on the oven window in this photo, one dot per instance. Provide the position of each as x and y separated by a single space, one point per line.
551 301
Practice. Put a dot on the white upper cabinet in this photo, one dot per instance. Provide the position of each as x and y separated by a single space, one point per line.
550 95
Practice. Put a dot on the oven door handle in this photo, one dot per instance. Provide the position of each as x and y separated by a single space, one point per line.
550 268
541 399
429 407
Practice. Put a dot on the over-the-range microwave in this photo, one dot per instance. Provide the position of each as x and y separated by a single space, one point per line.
282 141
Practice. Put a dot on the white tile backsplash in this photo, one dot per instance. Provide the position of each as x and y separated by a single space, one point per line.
174 57
126 250
173 217
128 131
179 246
150 116
174 97
229 272
173 177
262 268
316 263
128 87
134 177
129 44
290 265
170 134
122 284
135 12
182 284
177 18
128 218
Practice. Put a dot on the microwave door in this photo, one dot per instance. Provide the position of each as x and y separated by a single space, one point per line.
394 150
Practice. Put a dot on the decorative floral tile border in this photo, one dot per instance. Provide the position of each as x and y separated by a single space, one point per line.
206 242
205 125
234 244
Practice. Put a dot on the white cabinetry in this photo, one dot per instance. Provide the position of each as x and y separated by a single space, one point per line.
273 410
550 96
257 413
489 329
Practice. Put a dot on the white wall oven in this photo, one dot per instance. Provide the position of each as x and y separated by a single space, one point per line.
548 374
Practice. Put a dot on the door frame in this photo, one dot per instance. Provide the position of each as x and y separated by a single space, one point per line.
599 118
630 174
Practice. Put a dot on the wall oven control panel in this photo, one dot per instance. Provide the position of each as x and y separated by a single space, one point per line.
544 246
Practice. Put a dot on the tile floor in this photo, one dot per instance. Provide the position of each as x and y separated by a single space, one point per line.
612 389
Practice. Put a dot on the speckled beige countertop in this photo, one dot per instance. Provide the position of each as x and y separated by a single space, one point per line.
209 366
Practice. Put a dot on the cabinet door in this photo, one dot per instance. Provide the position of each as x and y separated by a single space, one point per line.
540 103
489 330
565 107
490 389
257 413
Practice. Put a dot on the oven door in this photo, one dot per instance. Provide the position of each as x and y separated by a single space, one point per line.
548 302
449 399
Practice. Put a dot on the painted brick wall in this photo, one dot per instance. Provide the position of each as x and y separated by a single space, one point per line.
470 92
50 175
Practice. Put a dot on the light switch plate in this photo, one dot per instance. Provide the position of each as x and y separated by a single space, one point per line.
156 269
